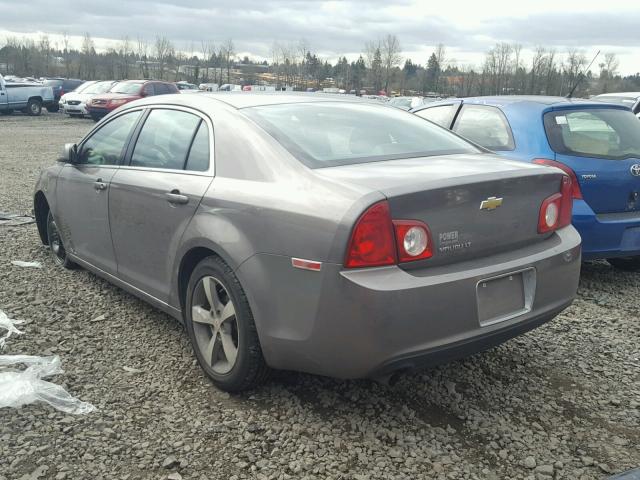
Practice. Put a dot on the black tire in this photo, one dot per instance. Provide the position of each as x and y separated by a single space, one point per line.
53 108
628 264
34 107
249 369
96 118
58 252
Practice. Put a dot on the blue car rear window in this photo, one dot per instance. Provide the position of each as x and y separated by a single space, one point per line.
594 132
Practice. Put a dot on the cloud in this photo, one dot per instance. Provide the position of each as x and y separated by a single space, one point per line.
333 28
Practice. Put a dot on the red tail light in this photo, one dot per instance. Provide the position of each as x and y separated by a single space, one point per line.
372 243
575 189
555 211
377 240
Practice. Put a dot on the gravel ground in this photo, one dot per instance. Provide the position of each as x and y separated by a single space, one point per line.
560 402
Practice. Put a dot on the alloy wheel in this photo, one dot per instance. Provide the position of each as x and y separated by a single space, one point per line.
55 242
215 325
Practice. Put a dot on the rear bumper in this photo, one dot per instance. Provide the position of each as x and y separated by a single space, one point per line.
371 322
606 235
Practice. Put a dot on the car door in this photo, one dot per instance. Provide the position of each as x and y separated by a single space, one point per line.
154 196
82 191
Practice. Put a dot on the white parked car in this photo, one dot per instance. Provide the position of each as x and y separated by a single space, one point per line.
629 99
75 103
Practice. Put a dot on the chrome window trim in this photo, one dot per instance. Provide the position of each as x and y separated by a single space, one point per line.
98 127
207 173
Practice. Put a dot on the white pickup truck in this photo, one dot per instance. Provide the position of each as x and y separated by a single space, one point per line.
27 97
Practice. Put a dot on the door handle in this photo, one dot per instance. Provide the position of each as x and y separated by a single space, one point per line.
176 198
99 185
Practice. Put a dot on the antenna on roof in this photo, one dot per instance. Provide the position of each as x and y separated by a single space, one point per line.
581 75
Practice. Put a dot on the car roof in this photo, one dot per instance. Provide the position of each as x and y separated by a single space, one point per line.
511 101
536 99
618 94
254 99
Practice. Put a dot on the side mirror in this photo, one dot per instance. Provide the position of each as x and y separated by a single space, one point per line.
69 153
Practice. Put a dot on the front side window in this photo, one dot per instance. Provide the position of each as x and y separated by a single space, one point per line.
441 115
106 145
325 134
486 126
602 133
165 139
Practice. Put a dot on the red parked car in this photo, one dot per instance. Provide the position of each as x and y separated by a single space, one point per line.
125 92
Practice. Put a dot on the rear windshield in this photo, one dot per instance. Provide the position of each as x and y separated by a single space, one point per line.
330 134
598 132
126 88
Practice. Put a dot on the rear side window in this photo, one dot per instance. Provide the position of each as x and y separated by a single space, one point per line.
149 89
170 88
325 134
106 145
165 139
160 88
70 85
198 160
486 126
441 115
601 133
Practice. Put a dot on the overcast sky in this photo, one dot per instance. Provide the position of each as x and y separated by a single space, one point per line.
332 28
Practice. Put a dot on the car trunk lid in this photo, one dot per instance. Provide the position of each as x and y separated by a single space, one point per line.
601 144
474 205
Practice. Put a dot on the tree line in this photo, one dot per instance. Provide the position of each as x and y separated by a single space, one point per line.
380 67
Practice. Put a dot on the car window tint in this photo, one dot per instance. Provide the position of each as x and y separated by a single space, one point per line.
601 133
160 88
164 139
441 115
106 145
326 134
199 154
486 126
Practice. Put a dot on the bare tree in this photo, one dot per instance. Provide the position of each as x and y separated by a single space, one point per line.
227 53
143 55
163 51
390 50
88 57
124 53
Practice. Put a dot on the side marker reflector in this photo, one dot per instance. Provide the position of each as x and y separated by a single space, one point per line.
306 264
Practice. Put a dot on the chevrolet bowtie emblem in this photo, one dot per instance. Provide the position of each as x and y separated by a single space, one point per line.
490 203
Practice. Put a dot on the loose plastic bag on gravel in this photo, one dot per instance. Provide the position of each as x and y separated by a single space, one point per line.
20 263
19 388
7 324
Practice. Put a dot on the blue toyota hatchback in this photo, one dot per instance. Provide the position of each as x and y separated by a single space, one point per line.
596 144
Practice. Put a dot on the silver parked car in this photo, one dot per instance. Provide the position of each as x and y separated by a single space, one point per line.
329 235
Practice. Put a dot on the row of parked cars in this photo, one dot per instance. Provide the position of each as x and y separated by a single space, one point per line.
339 236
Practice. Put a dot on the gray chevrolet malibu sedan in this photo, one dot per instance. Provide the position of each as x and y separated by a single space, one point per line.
320 234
